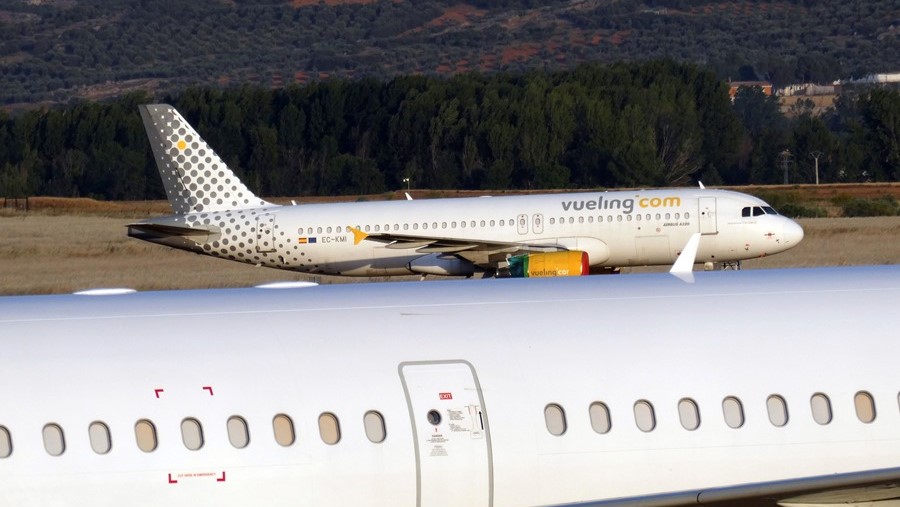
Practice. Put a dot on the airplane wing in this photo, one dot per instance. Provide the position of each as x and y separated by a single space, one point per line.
476 251
870 488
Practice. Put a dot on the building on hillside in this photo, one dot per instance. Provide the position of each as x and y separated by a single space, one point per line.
734 86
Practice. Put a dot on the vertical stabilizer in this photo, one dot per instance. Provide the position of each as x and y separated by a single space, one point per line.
196 179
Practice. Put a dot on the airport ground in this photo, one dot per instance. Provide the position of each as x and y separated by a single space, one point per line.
44 252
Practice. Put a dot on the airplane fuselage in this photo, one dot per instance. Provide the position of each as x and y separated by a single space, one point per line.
503 393
615 229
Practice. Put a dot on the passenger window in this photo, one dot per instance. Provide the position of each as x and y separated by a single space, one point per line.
54 442
473 223
493 223
689 414
555 418
374 424
821 408
145 435
580 220
377 228
192 434
98 433
502 223
687 215
600 420
284 430
628 217
865 406
238 434
443 225
483 223
329 428
733 412
643 414
618 218
5 443
319 229
329 229
668 216
777 408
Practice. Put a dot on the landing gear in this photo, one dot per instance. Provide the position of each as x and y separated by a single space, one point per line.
722 266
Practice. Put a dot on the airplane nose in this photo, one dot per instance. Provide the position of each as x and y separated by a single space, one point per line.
792 233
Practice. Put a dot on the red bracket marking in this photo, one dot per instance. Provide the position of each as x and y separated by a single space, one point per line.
171 480
221 479
208 388
157 391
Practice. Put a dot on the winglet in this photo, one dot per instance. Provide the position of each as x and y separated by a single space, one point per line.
358 235
684 265
701 185
408 197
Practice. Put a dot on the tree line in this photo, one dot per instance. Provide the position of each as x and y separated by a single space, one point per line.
649 124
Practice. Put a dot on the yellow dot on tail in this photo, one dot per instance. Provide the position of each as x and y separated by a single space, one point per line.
181 144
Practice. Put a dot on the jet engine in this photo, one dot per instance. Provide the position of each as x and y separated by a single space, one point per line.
441 264
570 263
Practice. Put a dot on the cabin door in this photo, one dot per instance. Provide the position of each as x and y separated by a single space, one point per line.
707 214
265 233
453 445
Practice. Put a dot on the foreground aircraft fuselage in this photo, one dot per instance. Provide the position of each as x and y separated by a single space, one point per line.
754 386
215 214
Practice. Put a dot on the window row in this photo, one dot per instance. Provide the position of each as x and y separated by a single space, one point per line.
689 413
487 223
192 433
628 218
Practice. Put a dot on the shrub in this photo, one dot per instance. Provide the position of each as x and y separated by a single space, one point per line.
884 206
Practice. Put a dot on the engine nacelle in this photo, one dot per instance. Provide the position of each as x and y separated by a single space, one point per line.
441 264
571 263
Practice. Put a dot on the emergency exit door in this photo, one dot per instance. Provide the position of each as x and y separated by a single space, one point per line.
453 445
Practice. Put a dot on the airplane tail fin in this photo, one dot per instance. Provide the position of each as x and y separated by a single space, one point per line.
196 179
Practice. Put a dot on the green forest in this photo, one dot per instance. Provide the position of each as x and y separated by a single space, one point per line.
54 51
659 123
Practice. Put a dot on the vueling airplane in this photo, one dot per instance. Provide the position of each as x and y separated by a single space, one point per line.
755 387
536 235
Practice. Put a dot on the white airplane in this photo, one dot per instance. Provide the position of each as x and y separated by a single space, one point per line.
552 234
757 387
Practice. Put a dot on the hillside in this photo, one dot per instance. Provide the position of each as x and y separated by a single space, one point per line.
58 50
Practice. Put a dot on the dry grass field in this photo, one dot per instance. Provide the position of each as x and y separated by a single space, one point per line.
43 252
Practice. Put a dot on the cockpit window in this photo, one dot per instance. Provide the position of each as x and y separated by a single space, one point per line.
757 211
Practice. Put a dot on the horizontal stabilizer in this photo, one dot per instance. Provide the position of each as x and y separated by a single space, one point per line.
171 230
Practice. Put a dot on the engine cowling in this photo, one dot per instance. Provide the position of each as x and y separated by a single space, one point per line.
571 263
441 264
